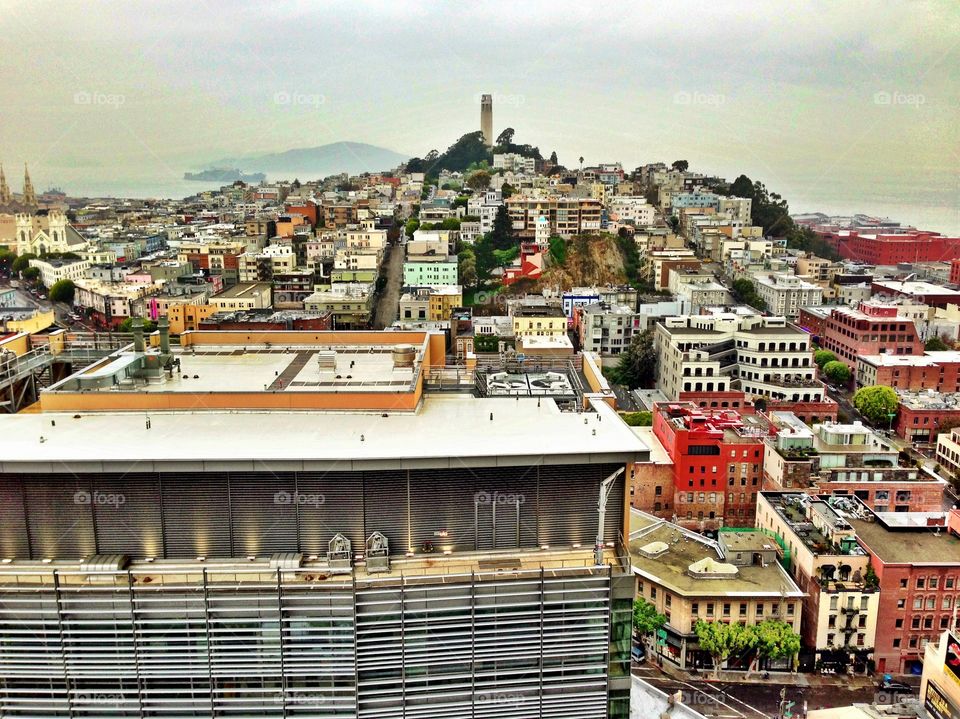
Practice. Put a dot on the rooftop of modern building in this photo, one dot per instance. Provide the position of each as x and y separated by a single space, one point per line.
518 431
439 565
544 310
915 287
673 557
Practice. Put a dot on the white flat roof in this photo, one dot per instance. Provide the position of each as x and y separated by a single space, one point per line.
447 431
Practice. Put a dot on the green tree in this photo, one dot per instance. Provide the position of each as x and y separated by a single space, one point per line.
553 158
7 258
479 180
680 165
483 251
935 344
468 268
505 258
413 224
638 419
775 639
449 223
876 403
127 326
22 262
746 292
558 250
63 291
646 618
31 273
675 223
722 640
501 236
638 362
837 372
507 190
822 357
506 137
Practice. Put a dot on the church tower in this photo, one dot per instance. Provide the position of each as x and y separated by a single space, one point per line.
29 196
4 189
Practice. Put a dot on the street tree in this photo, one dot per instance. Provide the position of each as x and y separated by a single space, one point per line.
877 403
722 640
22 262
62 291
837 372
638 362
822 357
646 618
775 639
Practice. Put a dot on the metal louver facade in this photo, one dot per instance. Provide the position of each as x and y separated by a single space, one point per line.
238 641
235 514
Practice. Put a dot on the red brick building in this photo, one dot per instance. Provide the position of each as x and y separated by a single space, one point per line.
939 371
809 412
889 249
812 319
717 463
917 564
921 415
870 329
955 272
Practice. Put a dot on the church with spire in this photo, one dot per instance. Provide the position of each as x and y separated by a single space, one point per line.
27 202
26 228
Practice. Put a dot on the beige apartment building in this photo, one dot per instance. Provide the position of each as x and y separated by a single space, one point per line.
687 577
567 216
840 607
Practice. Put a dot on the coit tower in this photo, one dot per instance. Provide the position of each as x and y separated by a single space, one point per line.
486 119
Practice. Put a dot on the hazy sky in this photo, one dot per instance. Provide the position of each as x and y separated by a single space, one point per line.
816 99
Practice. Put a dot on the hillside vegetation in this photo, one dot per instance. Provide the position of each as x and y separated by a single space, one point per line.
590 260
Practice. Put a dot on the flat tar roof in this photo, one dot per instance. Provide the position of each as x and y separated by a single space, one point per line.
923 546
447 431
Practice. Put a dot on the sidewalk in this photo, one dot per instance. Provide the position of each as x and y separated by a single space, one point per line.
798 678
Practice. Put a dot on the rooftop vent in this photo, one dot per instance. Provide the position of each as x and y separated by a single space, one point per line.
710 568
654 549
105 563
286 560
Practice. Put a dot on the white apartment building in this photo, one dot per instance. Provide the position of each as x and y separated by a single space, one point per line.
760 356
606 329
52 271
786 294
632 210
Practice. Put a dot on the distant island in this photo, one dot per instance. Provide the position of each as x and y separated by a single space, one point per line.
224 174
307 163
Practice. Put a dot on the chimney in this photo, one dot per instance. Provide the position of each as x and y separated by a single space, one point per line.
163 324
138 345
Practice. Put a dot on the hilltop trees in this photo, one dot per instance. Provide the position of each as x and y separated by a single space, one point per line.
746 292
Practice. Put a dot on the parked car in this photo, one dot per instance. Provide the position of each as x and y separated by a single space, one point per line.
639 654
888 685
